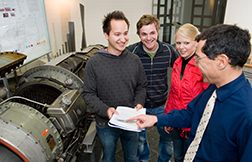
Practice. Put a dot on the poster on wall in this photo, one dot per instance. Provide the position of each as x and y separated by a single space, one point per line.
23 28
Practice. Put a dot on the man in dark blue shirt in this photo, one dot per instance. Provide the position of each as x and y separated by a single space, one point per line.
221 53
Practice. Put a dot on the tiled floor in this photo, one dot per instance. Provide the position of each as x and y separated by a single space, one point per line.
153 137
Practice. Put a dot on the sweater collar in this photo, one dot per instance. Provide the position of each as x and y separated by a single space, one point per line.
141 50
107 54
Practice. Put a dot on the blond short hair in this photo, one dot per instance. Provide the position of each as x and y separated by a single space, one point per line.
188 31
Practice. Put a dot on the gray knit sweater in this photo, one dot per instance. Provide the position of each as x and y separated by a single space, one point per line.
111 81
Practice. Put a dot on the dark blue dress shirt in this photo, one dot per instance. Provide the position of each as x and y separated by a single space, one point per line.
228 136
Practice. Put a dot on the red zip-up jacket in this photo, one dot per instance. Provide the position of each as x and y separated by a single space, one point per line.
183 91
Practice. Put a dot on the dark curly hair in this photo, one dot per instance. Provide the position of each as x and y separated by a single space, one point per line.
229 40
116 15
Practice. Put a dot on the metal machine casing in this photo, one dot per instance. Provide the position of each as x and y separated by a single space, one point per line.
67 110
46 119
28 133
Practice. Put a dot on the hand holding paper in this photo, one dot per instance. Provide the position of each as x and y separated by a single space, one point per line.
111 111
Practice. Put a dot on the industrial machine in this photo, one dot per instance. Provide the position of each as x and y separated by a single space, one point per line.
47 119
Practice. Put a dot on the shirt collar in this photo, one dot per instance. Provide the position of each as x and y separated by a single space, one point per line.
228 89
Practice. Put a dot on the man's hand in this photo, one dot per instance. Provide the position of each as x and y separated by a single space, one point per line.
138 107
144 121
111 111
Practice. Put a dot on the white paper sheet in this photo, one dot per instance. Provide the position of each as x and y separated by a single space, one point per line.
120 121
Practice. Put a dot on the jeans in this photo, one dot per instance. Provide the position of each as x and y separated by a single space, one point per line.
165 141
179 144
143 147
109 137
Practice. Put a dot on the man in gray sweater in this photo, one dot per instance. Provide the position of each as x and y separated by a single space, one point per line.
115 77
